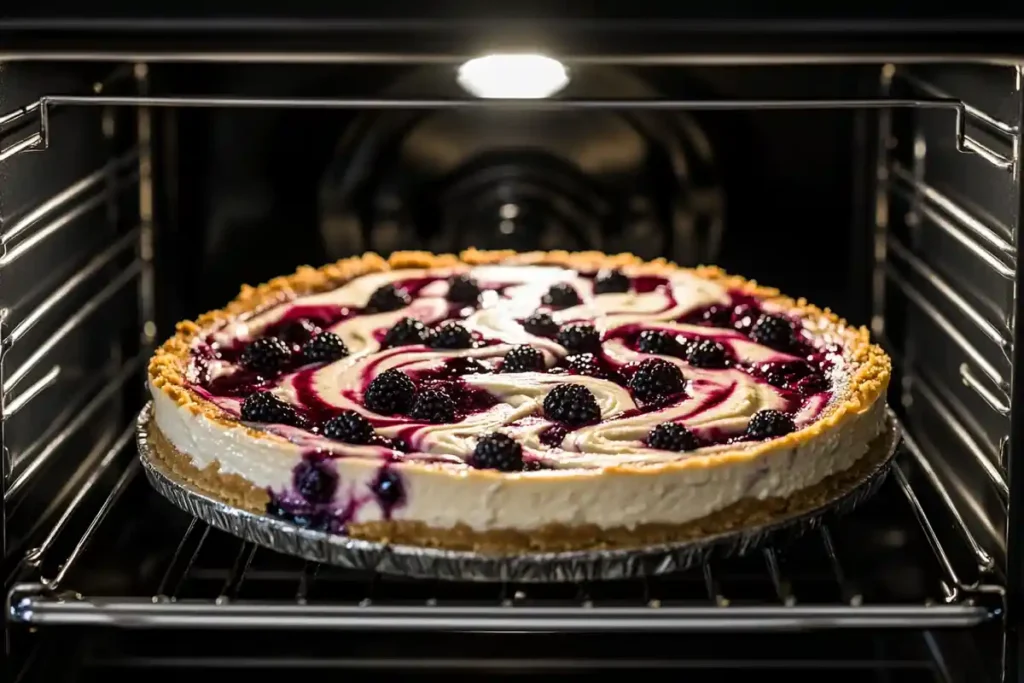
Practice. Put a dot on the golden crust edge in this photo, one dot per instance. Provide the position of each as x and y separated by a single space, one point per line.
870 366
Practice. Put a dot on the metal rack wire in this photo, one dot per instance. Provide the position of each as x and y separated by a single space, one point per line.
964 113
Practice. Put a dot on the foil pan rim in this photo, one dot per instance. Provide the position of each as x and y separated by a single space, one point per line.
462 565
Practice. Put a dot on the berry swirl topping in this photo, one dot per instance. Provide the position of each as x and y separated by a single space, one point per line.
520 367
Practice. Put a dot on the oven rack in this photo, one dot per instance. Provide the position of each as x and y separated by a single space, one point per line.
41 109
214 580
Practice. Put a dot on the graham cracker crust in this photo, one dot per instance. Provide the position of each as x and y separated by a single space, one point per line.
238 492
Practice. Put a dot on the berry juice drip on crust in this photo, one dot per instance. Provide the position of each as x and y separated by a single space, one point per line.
507 372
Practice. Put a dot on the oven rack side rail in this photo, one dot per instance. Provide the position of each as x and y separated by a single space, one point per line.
39 139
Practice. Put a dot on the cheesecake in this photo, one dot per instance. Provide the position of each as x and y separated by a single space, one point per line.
511 402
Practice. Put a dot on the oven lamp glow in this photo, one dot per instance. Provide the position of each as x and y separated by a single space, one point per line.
522 76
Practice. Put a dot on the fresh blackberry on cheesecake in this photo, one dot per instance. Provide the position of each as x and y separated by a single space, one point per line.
707 353
541 325
390 393
387 298
659 342
656 379
325 347
773 331
265 355
268 408
585 364
611 282
497 452
434 406
561 295
579 338
669 436
407 332
349 427
769 424
451 335
523 359
462 289
571 404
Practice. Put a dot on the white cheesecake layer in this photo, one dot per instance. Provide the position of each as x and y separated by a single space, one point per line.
444 496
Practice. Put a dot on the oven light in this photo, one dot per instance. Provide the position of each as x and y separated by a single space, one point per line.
515 76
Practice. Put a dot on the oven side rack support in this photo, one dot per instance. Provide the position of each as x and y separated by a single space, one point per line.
40 139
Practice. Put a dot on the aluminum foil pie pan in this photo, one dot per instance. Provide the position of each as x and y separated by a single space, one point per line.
458 565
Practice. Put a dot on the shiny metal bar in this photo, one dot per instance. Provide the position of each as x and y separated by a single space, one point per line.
780 584
964 143
994 402
931 395
122 483
38 387
80 420
943 323
983 559
29 605
848 592
965 308
35 554
73 321
958 233
67 195
97 263
32 142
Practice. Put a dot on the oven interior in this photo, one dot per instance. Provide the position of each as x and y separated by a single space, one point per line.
136 194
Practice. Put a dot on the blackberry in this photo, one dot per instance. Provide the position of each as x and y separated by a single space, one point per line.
268 408
407 332
561 295
497 452
579 338
611 281
571 404
325 347
265 355
769 424
541 325
314 482
462 289
387 298
389 393
584 364
669 436
523 359
433 405
388 489
656 378
772 331
451 335
349 427
659 342
707 353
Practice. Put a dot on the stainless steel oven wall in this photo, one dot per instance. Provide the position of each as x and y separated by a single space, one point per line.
946 236
70 273
948 229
